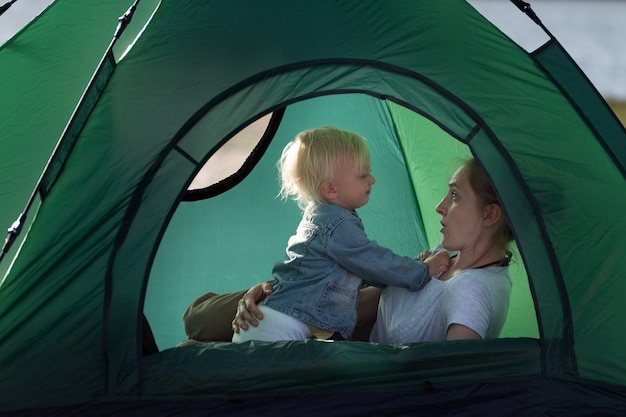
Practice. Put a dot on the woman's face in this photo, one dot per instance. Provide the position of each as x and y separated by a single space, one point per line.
461 216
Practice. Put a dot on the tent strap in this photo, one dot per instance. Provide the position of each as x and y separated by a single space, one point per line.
87 102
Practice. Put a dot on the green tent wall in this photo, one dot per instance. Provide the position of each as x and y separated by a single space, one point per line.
427 82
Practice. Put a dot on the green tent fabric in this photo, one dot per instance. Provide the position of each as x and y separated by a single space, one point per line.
113 235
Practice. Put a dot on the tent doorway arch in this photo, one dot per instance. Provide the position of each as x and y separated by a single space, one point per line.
224 247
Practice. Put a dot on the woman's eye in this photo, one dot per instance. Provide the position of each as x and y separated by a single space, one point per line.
453 195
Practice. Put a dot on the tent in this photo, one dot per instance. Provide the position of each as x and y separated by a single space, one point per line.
106 123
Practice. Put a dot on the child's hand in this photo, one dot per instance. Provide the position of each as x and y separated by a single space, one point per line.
437 263
422 256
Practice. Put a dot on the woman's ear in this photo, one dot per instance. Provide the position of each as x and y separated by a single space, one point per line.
492 214
328 190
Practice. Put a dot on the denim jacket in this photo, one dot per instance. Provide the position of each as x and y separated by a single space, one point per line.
327 260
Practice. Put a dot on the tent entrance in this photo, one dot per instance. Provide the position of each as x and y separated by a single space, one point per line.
230 241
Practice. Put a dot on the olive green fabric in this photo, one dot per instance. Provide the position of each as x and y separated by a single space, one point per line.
427 82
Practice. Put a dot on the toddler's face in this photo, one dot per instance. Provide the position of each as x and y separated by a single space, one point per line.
352 186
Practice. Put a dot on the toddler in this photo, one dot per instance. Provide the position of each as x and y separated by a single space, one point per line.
316 287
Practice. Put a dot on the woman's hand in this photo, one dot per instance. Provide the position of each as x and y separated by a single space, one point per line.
247 310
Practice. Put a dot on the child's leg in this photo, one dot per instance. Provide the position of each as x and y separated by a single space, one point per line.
274 327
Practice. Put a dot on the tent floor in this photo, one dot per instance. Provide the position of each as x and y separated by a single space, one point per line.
534 397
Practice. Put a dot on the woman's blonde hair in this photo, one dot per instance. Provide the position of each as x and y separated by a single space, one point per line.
312 158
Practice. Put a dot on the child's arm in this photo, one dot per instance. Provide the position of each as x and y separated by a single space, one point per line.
423 255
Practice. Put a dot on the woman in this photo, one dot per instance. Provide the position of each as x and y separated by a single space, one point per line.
469 301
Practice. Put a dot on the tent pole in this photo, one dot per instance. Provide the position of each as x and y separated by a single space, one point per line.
6 6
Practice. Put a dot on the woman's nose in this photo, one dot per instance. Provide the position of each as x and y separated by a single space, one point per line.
441 207
372 179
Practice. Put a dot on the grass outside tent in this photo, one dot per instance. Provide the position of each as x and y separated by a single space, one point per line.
619 107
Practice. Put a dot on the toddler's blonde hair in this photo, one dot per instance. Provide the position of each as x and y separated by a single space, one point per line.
312 158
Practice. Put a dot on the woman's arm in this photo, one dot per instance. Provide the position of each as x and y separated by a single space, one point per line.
460 332
367 307
249 314
367 311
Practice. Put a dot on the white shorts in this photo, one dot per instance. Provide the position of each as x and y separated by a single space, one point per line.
274 327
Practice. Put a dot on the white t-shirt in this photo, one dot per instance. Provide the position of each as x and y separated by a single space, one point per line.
475 298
